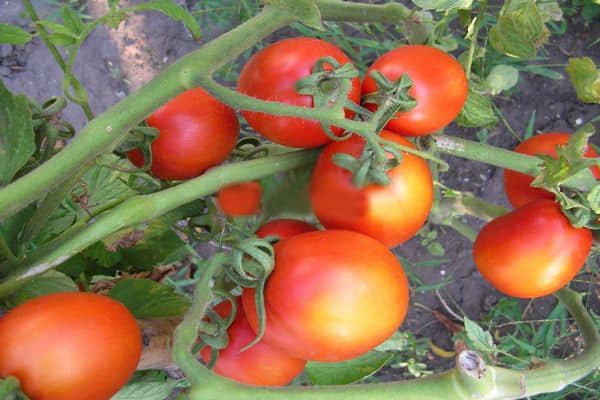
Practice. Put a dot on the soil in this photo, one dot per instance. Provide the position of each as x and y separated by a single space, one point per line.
113 63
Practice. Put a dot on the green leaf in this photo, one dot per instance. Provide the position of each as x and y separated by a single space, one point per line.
17 140
520 29
58 222
9 389
418 28
158 246
593 198
436 249
342 373
585 78
148 299
102 256
481 340
47 283
443 5
477 112
400 341
543 71
550 11
11 227
72 20
287 196
305 11
10 34
149 385
114 18
501 78
173 10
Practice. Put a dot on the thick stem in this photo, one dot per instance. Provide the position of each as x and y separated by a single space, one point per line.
336 10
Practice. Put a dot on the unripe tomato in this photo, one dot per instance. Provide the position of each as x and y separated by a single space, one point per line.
284 228
196 132
332 296
272 73
70 346
531 251
261 364
517 185
439 87
240 199
391 214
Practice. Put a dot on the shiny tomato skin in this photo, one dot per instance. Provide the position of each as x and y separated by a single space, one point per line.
284 228
332 296
196 132
531 251
240 199
439 86
70 346
271 74
260 365
391 214
517 185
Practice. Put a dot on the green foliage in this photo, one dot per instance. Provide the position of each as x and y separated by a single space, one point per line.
147 385
9 389
585 77
47 283
148 299
477 112
305 11
501 78
11 34
479 339
172 10
287 195
346 372
443 5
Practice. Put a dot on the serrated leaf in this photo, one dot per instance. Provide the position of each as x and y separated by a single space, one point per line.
400 341
501 78
443 5
520 30
102 256
47 283
593 197
72 20
342 373
147 385
173 10
148 299
10 34
477 112
585 78
305 11
481 340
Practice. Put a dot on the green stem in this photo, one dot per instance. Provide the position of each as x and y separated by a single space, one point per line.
460 227
336 10
5 250
473 46
143 208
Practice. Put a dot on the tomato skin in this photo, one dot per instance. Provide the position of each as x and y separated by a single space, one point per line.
271 74
240 199
261 365
284 228
439 86
375 210
70 346
531 251
517 185
332 296
196 132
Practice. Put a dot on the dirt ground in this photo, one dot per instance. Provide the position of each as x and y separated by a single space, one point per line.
114 63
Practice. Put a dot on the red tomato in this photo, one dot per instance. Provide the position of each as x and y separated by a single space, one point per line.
332 296
70 346
531 251
391 214
260 365
240 199
196 132
517 185
272 73
284 228
439 87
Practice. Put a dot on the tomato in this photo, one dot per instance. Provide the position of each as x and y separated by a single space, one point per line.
391 214
260 365
439 87
531 251
196 132
240 199
517 185
272 73
332 296
70 346
284 228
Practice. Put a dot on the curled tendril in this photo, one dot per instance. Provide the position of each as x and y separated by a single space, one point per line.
49 108
213 331
249 148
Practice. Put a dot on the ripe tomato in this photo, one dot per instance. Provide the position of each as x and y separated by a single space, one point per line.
70 346
332 296
439 87
391 214
531 251
517 185
272 73
260 365
240 199
284 228
196 132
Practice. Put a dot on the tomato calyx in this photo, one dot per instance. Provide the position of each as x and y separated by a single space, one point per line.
140 138
391 97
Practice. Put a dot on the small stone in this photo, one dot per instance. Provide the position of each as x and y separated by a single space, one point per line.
579 121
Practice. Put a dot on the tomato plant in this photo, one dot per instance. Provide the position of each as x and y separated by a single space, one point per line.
375 210
196 132
240 199
517 185
439 87
69 346
284 228
272 74
323 292
531 251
